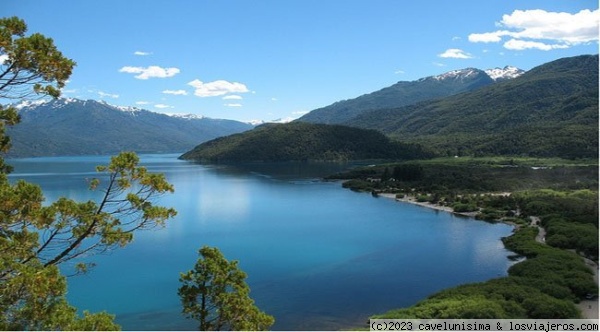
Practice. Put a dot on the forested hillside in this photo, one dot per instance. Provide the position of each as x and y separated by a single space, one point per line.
302 142
401 94
552 110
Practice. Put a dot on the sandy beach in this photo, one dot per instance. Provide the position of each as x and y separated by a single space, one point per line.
413 200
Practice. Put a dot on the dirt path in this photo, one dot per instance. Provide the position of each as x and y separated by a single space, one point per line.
589 308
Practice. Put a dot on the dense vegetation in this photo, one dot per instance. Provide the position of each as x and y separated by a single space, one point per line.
513 117
400 94
474 175
550 280
302 142
75 127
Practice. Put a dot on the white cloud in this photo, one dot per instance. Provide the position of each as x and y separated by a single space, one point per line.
519 45
543 30
300 112
455 53
148 72
217 88
488 37
141 102
274 99
399 71
175 92
109 95
142 53
163 106
438 64
233 97
233 105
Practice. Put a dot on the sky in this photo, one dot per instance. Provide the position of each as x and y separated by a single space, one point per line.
267 60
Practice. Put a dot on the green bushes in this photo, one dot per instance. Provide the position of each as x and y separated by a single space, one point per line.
572 235
462 207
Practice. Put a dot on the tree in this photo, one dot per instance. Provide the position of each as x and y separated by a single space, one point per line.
36 238
215 294
30 64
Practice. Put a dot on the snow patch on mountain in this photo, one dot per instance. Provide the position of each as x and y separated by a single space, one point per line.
506 73
457 74
29 103
188 116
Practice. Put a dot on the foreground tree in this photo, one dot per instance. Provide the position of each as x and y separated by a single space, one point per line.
215 293
36 238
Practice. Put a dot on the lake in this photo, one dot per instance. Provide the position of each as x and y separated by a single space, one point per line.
318 256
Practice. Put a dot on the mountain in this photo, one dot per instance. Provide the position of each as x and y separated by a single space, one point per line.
76 127
407 93
503 74
298 141
552 110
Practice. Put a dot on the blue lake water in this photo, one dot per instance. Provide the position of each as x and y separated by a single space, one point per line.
318 257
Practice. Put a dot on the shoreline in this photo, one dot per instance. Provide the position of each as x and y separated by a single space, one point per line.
412 200
588 308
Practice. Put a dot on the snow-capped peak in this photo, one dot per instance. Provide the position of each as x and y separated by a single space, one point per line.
457 74
130 109
28 103
54 103
256 122
508 72
188 116
261 122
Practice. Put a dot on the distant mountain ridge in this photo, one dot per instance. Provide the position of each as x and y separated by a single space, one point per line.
406 93
550 111
68 126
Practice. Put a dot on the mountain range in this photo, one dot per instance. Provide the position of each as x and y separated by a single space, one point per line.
77 127
549 111
406 93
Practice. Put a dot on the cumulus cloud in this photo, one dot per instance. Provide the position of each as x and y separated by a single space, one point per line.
233 105
3 58
141 102
543 30
175 92
163 106
142 53
217 88
233 97
455 53
151 71
519 45
109 95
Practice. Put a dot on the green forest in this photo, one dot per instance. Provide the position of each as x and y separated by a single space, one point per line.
299 141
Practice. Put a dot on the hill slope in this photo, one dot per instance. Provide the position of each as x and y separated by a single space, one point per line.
75 127
552 110
302 142
407 93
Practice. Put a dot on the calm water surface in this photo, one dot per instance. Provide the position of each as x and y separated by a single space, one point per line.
318 256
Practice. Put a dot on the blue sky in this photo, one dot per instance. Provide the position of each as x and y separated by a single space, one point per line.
264 60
